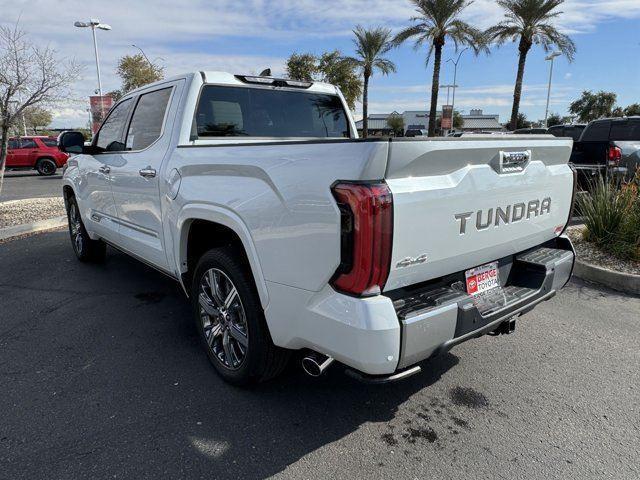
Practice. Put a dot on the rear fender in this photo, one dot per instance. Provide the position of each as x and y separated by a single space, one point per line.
225 217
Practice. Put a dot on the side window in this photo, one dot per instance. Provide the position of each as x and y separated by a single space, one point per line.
110 135
147 119
628 130
596 132
13 144
50 142
28 143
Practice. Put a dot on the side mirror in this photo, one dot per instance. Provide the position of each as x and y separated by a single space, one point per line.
71 142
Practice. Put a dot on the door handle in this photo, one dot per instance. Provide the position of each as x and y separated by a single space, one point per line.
105 169
148 172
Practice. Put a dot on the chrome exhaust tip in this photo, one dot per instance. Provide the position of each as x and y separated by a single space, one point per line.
316 363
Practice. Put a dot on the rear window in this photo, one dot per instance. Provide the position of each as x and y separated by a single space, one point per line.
596 132
261 112
50 142
625 131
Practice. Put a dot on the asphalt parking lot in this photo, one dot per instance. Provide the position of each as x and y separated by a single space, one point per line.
21 184
102 376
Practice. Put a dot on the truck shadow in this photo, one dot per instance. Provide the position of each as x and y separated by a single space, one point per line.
135 393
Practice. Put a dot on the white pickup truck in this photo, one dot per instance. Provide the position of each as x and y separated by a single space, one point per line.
289 233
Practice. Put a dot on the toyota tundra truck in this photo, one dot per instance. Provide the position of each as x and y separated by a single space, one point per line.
290 234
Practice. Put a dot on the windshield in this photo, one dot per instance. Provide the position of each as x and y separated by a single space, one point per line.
261 112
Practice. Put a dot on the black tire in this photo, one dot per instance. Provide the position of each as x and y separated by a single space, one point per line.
86 250
46 167
262 359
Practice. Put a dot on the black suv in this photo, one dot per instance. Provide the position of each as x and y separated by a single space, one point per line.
610 146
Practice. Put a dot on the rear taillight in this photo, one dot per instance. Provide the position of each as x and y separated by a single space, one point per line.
614 155
366 211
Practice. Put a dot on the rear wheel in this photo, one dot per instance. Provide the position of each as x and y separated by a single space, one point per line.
230 320
86 250
46 167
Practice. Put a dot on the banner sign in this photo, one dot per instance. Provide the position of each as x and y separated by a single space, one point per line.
447 117
100 106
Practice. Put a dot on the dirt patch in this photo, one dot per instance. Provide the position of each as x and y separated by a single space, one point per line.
468 397
422 433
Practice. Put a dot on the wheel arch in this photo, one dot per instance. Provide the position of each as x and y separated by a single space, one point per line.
202 227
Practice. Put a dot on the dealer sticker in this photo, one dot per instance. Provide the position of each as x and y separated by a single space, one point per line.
483 278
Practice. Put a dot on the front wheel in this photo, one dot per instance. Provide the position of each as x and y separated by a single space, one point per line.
46 167
230 320
86 250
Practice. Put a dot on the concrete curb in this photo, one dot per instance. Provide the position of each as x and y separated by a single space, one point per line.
623 282
34 227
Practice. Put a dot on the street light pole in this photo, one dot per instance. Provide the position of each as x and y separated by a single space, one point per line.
95 49
95 23
546 110
143 54
455 74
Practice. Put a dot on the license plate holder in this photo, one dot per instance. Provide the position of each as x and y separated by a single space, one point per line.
482 279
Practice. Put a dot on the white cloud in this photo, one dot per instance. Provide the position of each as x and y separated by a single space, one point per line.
197 34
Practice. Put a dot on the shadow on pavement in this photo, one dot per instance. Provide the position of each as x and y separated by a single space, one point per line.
103 375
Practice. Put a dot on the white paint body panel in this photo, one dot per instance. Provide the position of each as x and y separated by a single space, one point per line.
276 196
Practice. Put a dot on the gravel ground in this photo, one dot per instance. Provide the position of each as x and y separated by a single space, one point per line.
18 212
591 254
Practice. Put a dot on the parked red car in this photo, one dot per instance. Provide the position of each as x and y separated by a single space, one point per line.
35 153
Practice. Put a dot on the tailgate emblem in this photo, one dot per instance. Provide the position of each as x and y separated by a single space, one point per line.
409 261
511 162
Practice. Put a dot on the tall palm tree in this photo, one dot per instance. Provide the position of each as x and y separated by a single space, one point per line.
438 20
529 23
371 46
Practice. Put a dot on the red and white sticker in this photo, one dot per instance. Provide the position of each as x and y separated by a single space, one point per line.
483 278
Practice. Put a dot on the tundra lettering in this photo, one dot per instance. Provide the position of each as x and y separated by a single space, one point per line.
517 211
290 235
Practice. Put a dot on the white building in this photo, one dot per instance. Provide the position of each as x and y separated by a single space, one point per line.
474 121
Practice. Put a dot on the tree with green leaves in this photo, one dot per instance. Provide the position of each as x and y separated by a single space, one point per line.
302 67
371 46
395 123
330 67
522 121
554 119
37 117
436 21
591 106
135 71
529 22
633 109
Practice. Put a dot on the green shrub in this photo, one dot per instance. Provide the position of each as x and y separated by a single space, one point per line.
611 213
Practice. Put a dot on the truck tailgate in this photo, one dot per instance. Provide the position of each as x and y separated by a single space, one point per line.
460 203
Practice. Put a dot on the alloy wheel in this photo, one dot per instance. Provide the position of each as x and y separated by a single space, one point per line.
75 227
223 318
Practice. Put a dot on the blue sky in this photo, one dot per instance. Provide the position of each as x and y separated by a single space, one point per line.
247 36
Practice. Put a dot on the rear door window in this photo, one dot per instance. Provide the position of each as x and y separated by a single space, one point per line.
628 130
261 112
13 144
147 119
28 143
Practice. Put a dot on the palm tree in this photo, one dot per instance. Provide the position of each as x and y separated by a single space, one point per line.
371 45
529 22
437 20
